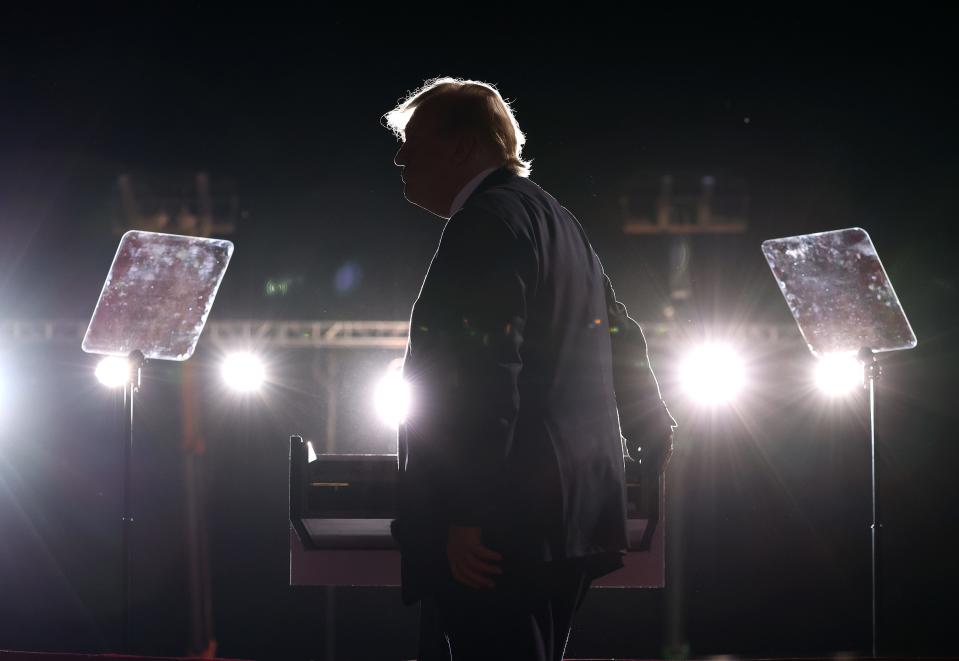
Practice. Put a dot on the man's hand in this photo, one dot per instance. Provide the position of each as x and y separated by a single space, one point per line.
471 563
653 457
667 453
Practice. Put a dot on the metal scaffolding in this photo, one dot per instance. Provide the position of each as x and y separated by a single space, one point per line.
343 334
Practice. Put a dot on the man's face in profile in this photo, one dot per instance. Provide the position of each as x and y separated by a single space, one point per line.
426 158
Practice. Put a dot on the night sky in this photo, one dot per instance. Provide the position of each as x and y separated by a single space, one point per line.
829 122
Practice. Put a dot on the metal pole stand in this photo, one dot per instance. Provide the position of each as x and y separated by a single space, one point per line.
136 361
871 373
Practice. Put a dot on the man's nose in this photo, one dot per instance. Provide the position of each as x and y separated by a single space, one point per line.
400 158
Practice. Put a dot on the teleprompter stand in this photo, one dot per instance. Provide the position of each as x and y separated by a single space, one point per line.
153 306
844 304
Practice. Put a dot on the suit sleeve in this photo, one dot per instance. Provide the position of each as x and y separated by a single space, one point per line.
477 288
645 421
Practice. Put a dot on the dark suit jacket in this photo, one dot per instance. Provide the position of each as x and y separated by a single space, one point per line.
522 368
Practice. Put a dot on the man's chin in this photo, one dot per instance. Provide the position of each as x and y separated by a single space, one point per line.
422 204
410 198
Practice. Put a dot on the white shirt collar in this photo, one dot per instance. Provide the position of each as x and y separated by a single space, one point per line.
468 189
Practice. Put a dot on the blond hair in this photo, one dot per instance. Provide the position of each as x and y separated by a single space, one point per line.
467 107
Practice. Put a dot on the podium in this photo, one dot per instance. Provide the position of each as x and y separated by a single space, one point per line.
341 507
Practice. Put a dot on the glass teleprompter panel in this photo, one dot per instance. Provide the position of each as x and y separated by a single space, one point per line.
838 292
157 295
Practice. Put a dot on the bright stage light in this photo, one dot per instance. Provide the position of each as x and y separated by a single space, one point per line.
392 396
838 374
113 371
243 372
713 374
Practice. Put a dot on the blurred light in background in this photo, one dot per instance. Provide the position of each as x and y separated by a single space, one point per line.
4 404
113 371
712 374
348 277
277 287
838 374
392 395
243 372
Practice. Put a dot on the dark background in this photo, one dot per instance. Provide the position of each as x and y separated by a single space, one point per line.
831 122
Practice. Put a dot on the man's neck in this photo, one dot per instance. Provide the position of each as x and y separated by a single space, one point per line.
470 185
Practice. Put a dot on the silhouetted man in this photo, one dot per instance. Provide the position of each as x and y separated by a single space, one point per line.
512 495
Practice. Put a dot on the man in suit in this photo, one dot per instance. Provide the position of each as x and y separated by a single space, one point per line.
524 370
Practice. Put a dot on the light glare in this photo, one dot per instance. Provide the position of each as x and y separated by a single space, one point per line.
243 372
713 374
113 371
838 374
392 397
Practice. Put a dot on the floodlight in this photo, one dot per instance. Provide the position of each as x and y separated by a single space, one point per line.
113 371
243 372
838 374
392 396
713 374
